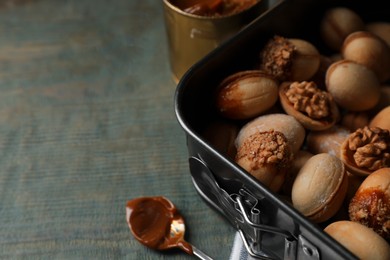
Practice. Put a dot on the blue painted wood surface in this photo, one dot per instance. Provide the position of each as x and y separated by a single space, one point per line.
87 123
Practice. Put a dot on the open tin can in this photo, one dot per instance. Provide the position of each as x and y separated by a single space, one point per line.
270 227
191 36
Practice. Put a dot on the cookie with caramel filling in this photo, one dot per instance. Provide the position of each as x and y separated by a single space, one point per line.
371 204
366 150
314 108
266 156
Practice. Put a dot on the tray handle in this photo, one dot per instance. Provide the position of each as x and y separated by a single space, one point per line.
242 210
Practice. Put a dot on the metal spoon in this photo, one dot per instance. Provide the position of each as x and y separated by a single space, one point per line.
156 223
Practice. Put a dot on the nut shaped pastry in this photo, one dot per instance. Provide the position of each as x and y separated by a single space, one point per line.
314 108
327 141
353 86
246 94
266 156
369 50
290 59
362 241
354 120
381 119
286 124
337 23
306 61
300 158
381 29
366 150
370 205
320 187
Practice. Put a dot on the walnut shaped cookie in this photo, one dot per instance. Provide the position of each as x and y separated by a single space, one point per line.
370 205
314 108
267 157
366 150
246 94
289 59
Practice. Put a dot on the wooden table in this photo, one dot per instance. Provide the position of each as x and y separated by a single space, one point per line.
87 122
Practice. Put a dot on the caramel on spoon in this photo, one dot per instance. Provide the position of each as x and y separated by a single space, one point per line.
156 223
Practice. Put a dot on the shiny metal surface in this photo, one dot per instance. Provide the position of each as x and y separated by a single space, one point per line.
191 37
200 254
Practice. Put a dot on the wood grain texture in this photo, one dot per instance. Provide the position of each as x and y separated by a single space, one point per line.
86 123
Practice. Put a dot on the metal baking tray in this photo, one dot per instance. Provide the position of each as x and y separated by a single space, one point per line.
270 227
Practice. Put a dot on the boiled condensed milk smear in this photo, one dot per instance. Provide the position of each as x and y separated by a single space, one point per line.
214 7
150 219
